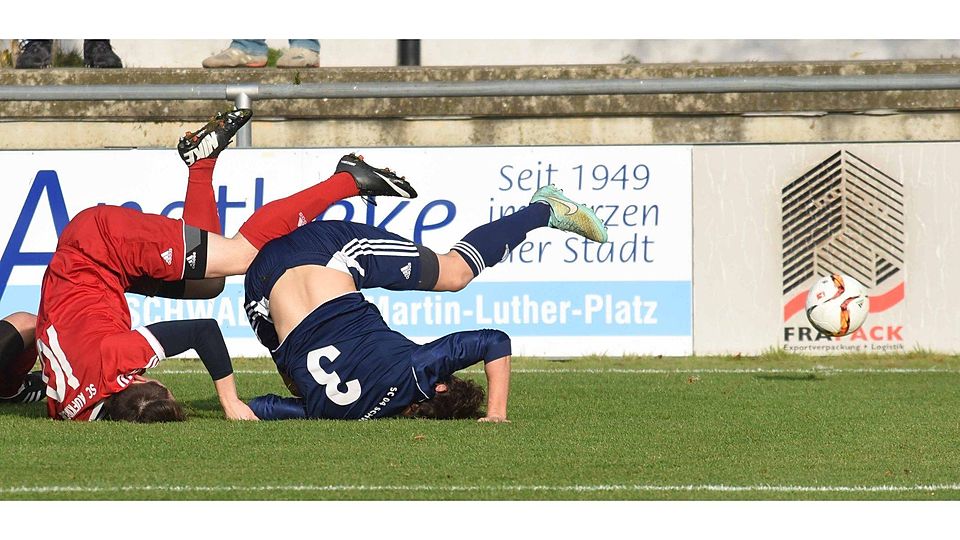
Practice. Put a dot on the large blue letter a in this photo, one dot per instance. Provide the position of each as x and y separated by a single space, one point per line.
12 256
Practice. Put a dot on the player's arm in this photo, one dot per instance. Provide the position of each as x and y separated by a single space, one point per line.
498 389
460 350
274 407
203 336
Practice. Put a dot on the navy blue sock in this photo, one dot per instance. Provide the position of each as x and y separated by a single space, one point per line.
489 244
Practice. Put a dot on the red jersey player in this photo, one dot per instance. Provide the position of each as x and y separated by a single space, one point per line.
92 361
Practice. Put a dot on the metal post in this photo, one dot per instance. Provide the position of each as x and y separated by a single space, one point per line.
408 52
245 135
243 95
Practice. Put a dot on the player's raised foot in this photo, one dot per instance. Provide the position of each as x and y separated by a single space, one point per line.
570 216
213 137
373 182
32 390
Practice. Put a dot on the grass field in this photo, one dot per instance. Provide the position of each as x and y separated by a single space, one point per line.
772 427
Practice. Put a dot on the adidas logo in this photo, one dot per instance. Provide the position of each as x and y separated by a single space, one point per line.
167 256
192 260
301 220
406 270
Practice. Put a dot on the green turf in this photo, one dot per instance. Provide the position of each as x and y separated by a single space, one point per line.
587 429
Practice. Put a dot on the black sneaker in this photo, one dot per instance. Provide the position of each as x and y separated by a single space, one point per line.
375 182
32 390
97 53
34 54
212 138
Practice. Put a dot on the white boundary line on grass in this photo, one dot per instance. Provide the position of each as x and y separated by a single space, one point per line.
710 488
644 371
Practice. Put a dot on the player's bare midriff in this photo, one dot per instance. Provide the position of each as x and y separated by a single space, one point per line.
300 290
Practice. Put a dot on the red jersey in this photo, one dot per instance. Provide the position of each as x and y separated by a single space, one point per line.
86 346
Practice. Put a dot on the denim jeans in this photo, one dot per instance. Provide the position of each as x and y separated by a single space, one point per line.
258 47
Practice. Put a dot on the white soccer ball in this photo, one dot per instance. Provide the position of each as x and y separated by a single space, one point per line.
837 305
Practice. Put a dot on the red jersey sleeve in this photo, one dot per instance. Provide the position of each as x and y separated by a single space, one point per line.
129 353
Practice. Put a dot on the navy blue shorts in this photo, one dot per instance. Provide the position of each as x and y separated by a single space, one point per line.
373 257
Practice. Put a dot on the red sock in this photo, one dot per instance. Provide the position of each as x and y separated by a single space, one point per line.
285 215
200 204
11 377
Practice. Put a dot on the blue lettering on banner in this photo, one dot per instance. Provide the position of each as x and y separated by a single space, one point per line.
12 256
591 308
434 215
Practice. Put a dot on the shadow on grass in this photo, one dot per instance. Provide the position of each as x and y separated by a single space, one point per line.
789 377
202 407
29 410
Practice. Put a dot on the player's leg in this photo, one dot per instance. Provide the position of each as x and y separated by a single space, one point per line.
18 354
490 244
232 256
199 151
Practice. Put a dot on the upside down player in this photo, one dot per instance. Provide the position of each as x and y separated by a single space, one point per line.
92 360
333 348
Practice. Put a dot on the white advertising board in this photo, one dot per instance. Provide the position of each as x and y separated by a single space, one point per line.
556 295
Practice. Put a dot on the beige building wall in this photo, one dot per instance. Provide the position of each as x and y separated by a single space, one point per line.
737 247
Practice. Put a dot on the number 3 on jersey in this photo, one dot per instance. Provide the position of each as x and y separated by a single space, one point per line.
332 380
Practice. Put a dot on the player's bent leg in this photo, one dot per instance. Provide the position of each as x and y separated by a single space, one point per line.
228 256
184 289
18 354
455 273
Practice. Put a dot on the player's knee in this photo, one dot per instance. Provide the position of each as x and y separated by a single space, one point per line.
208 288
455 274
25 323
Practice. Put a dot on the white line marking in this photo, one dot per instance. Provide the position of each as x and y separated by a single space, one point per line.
651 371
709 488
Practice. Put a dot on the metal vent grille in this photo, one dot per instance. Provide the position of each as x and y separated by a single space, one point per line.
843 215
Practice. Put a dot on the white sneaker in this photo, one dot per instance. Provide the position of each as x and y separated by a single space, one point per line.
232 57
298 57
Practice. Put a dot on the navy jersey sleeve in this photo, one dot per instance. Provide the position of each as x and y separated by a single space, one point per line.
274 407
436 361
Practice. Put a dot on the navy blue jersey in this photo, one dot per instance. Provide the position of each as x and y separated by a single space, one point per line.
373 257
348 364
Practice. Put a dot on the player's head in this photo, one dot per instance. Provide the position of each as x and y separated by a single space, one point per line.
460 399
144 401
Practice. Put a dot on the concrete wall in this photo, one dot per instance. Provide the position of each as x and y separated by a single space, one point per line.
170 53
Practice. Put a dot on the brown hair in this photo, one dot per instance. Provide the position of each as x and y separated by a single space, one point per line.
463 399
143 403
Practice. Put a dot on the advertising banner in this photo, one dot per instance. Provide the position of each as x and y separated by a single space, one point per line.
556 295
844 215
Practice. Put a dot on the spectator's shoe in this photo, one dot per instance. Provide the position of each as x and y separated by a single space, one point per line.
34 54
569 216
212 138
97 53
298 57
32 390
375 182
233 57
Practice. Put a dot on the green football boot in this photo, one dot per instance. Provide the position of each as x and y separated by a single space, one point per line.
569 216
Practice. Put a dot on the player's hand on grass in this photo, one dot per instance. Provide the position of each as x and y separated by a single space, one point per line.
494 419
238 410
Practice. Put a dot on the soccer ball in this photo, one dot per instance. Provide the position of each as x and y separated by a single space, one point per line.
837 305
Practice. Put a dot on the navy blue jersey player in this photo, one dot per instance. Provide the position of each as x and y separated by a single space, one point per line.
333 348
